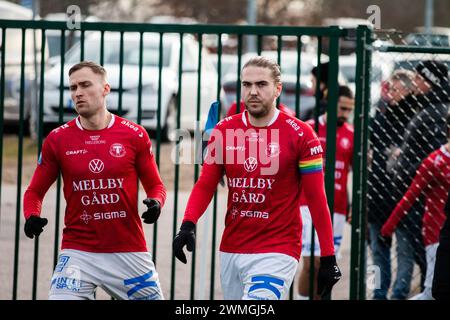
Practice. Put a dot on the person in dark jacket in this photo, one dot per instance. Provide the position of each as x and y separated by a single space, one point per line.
441 279
395 110
425 132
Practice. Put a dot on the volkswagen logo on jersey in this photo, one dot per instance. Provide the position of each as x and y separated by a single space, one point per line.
85 217
273 149
117 150
250 164
96 165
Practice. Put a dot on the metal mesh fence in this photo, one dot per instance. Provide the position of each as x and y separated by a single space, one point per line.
410 101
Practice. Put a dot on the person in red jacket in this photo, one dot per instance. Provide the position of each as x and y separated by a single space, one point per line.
344 160
266 156
432 180
101 157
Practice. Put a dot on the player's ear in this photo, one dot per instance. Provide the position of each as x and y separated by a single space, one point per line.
106 89
278 89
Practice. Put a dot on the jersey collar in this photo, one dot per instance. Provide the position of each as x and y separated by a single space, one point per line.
274 118
111 122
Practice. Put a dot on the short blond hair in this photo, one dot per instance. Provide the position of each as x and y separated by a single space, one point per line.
264 62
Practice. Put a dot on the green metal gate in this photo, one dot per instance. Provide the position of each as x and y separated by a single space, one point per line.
18 284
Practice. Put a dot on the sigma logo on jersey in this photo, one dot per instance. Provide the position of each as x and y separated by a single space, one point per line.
85 217
273 149
117 150
316 150
250 164
234 212
76 152
254 214
95 140
96 165
103 216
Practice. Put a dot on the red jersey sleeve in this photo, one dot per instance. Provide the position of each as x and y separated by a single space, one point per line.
210 175
148 171
311 170
45 174
424 176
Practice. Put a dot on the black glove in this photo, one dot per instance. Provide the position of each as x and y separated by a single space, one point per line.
34 226
328 275
153 210
186 236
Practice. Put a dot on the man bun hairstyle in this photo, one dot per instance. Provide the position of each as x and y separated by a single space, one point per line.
264 62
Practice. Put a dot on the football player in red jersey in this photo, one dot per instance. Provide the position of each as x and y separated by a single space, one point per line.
101 157
344 156
432 180
266 155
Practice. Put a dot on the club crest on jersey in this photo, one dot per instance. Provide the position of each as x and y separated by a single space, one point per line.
273 150
250 164
96 165
117 150
345 143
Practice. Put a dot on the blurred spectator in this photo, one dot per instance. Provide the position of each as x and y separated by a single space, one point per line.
344 160
432 180
323 85
387 127
424 133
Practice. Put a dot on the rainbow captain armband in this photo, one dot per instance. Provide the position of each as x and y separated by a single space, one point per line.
310 166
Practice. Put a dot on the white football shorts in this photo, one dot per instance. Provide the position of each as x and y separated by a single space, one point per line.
258 276
338 231
124 275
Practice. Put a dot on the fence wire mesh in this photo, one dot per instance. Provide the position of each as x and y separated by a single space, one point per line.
410 101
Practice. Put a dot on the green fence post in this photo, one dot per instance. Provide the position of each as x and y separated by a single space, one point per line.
357 164
333 87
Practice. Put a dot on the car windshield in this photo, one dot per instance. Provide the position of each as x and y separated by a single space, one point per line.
290 67
150 56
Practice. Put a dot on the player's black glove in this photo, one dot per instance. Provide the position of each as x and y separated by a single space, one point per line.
34 226
186 236
153 210
328 275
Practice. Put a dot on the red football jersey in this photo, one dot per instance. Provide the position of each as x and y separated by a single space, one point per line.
344 156
100 170
264 167
432 180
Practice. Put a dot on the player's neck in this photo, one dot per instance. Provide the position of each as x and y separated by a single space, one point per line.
324 118
447 146
98 121
263 121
